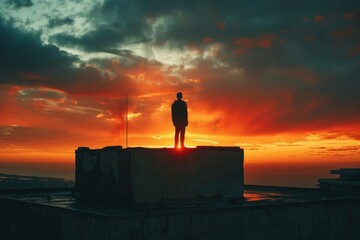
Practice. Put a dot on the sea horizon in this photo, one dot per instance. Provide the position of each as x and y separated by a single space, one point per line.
291 174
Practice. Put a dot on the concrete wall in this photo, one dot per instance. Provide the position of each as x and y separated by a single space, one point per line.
327 219
150 175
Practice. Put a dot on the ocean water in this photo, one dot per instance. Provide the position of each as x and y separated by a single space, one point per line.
295 174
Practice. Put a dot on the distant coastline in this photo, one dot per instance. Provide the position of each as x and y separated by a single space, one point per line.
10 181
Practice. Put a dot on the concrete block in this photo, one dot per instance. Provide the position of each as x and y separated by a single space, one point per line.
151 175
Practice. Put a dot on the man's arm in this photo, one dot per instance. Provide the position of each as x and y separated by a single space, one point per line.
186 115
173 114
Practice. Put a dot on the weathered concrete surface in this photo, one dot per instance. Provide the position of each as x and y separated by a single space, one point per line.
150 175
331 219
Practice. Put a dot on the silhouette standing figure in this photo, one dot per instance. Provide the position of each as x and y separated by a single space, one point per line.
179 116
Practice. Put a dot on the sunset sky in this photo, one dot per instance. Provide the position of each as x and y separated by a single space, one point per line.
277 78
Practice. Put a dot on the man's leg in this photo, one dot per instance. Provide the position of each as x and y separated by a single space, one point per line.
177 131
182 136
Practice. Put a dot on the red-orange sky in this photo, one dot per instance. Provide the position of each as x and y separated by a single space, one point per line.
279 80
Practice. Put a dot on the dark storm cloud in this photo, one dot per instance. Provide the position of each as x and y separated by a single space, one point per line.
20 3
23 53
101 39
185 22
58 22
25 60
114 22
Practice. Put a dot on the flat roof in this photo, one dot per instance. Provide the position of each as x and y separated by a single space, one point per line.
254 196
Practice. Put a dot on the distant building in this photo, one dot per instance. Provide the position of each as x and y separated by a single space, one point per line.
348 180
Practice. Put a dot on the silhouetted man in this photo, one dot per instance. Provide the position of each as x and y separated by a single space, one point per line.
179 116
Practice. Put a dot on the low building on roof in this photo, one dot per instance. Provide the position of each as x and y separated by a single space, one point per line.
348 180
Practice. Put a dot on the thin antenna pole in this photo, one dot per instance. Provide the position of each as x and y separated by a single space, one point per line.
126 122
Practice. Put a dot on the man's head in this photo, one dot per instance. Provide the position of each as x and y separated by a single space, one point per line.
179 95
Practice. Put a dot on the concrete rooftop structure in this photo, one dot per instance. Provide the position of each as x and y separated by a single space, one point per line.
153 174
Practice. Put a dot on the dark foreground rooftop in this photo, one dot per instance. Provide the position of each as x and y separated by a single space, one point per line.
64 199
264 213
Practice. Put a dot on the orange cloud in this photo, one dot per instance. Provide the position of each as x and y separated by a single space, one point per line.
355 51
346 33
319 18
310 38
244 44
301 74
208 40
220 25
349 15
